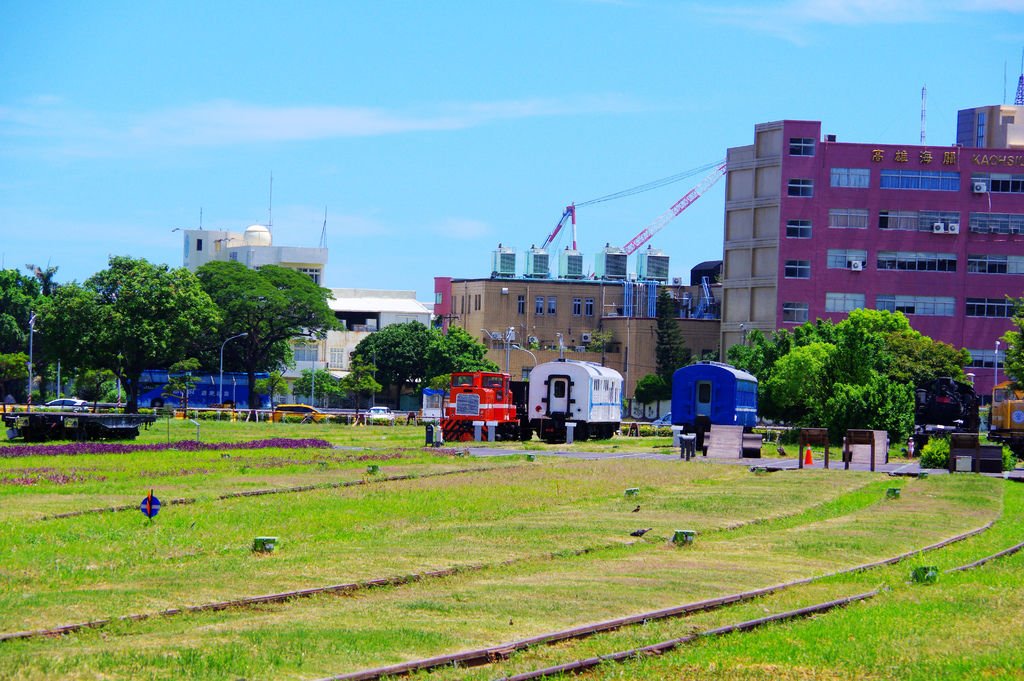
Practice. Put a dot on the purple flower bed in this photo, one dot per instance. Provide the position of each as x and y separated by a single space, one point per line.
79 448
30 476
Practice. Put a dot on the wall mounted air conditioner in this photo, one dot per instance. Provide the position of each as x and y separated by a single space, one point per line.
857 265
585 337
953 228
938 228
979 188
532 340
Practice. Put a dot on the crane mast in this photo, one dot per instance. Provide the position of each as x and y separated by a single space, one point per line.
682 204
570 211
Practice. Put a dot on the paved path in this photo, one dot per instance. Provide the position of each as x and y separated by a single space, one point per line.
773 464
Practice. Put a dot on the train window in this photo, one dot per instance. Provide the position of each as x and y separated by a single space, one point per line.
597 384
492 381
559 389
461 380
704 393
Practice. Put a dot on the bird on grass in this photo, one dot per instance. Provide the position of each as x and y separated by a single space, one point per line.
639 533
636 510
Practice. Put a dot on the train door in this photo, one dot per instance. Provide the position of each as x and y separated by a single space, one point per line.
558 395
703 401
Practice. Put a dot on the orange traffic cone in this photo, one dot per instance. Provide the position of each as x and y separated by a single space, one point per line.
808 459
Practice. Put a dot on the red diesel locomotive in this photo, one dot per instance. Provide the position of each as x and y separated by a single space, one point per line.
490 399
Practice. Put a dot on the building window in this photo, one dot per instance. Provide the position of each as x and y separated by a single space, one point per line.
801 146
233 256
989 307
462 304
997 223
338 356
577 307
979 139
798 269
984 359
798 229
910 261
305 352
843 302
843 258
848 218
995 264
521 304
795 313
800 187
898 219
931 180
927 306
199 244
438 297
1001 183
856 178
551 305
476 302
538 305
588 307
312 272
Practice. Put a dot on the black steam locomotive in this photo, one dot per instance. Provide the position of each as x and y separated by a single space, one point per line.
943 406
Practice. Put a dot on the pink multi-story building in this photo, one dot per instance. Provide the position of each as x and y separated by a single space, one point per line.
815 228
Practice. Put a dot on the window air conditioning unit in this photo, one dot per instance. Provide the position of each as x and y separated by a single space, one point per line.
857 265
979 188
585 337
938 228
953 228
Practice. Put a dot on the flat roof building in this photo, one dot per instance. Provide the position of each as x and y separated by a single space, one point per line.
253 248
815 227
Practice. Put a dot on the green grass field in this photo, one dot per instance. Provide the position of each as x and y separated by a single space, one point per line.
540 546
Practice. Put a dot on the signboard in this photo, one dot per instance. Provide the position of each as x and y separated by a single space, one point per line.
150 505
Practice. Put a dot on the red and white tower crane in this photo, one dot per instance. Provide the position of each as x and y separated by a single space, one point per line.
570 211
678 207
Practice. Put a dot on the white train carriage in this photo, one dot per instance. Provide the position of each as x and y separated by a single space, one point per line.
570 391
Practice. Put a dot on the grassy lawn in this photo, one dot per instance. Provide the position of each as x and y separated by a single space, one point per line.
546 545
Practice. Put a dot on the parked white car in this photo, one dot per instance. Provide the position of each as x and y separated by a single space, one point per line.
380 415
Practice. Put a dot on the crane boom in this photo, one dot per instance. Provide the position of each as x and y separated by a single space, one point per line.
682 204
570 211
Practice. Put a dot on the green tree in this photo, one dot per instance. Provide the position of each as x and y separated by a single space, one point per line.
359 382
13 368
399 352
272 385
42 363
1013 358
599 341
326 388
456 351
181 381
19 297
94 385
670 349
652 388
273 305
130 317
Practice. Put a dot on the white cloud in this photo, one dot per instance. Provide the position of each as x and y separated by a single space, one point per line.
225 122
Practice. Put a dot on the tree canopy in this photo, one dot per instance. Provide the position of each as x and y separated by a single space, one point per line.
670 349
272 305
857 373
132 316
411 353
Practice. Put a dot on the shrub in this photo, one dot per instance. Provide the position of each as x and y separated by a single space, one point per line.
1009 459
935 453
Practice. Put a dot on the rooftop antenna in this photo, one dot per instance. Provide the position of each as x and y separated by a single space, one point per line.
200 217
1019 100
323 232
924 109
270 204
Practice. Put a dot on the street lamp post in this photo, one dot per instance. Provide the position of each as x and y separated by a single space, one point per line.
220 383
995 368
31 332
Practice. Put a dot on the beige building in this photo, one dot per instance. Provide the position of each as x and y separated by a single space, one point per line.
544 314
253 248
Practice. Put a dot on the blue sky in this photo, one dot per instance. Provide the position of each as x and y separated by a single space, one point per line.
432 131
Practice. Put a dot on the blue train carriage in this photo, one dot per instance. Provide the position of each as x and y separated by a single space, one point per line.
570 391
712 393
